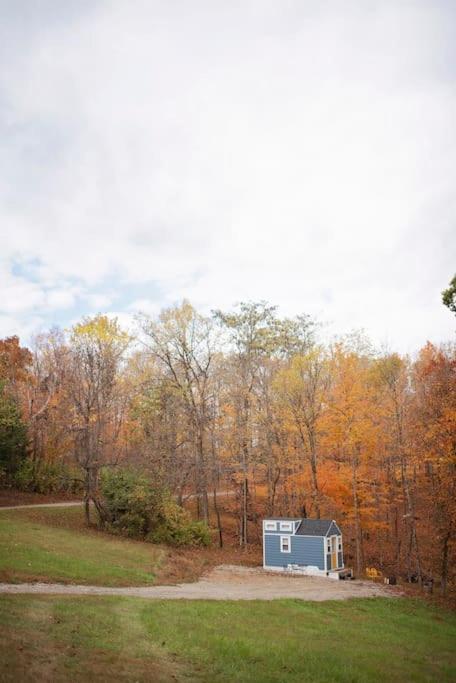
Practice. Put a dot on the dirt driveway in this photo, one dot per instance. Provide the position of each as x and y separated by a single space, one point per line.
227 582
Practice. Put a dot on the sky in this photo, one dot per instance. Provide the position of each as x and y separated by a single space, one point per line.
302 153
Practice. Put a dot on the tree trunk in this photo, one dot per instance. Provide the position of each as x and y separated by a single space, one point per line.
411 523
219 521
315 490
358 530
203 501
445 561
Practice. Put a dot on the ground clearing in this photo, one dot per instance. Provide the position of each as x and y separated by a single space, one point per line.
129 639
227 583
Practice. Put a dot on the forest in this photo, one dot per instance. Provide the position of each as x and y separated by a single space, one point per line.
248 403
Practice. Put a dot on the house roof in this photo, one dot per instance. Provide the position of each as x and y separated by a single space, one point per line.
314 527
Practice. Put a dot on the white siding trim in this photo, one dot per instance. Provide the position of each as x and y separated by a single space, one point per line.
325 554
264 548
286 526
289 544
272 526
341 550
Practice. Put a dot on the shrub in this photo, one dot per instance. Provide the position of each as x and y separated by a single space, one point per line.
139 510
132 504
175 527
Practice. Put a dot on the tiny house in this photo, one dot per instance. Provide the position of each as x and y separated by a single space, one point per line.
307 546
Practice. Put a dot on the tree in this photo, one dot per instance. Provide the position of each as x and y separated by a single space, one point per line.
303 387
394 378
350 435
95 354
252 336
434 404
15 362
183 342
13 433
449 295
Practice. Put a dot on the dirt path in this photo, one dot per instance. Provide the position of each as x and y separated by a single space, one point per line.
227 582
65 504
73 503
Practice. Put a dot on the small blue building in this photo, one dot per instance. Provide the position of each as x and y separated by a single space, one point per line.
308 546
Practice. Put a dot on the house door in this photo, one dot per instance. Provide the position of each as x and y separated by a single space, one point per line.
334 562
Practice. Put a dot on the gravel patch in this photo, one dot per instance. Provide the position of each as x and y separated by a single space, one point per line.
227 582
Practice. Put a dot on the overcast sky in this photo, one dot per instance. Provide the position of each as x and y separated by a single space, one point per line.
302 152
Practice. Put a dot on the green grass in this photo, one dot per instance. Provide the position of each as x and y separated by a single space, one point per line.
127 639
51 544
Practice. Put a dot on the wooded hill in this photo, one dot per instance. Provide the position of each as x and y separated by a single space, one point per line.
251 403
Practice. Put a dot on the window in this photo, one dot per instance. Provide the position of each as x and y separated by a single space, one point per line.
285 545
328 545
286 526
270 526
339 543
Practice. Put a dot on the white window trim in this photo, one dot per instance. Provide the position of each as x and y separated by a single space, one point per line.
282 538
286 526
270 526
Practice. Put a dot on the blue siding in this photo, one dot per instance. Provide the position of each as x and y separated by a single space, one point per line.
305 550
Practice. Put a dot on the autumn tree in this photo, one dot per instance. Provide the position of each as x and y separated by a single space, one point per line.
161 434
183 342
394 377
350 434
434 441
13 433
251 336
303 388
15 362
96 349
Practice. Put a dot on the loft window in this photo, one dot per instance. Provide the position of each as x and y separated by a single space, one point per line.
270 526
286 526
285 545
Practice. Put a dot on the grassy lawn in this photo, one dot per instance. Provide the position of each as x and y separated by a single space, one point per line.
55 545
127 639
52 544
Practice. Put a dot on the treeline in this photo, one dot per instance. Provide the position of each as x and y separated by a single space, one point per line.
252 403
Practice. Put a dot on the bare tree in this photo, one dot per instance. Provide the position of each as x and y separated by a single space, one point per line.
183 341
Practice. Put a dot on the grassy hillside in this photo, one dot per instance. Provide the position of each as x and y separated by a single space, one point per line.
127 639
55 545
52 544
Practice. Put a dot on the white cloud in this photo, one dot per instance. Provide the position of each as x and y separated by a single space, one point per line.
145 306
98 301
300 153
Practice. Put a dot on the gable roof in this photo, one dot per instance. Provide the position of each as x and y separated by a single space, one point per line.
334 530
314 527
